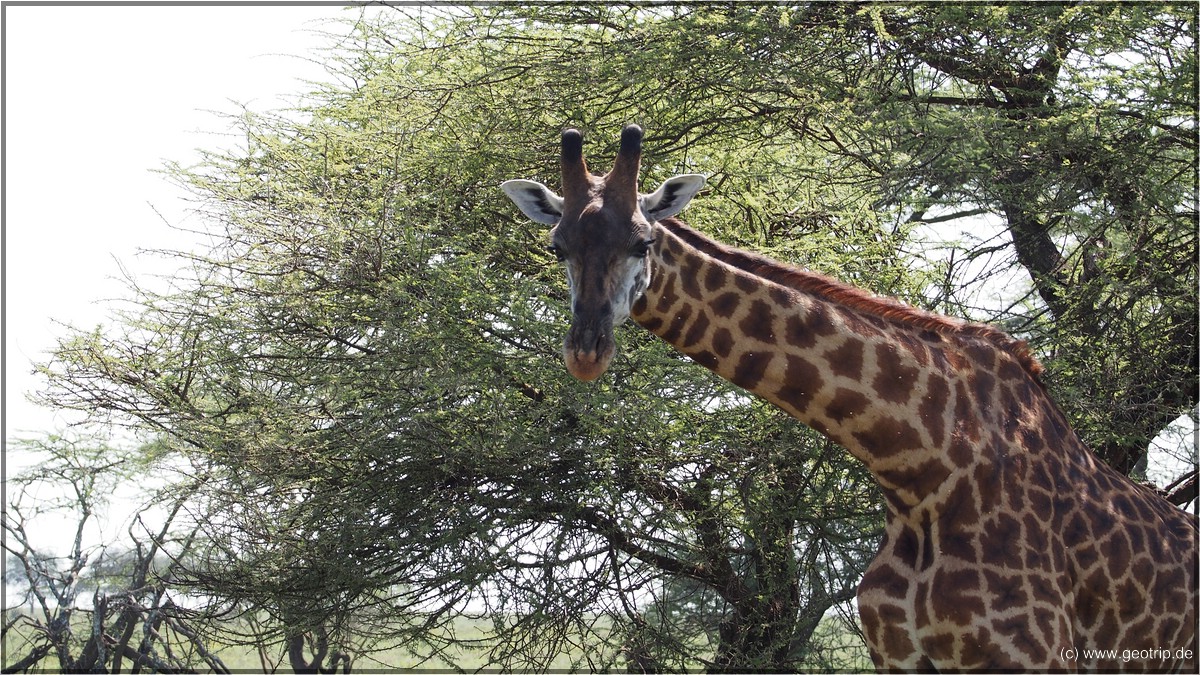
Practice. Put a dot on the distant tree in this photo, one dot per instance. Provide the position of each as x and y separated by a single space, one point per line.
130 617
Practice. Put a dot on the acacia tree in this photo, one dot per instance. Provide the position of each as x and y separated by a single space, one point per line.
365 370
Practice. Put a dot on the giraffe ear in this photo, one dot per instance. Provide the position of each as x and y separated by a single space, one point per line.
671 196
535 200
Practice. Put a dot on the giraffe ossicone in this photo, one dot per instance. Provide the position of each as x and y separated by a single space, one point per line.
1008 545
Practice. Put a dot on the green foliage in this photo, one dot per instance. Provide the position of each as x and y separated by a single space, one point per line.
364 374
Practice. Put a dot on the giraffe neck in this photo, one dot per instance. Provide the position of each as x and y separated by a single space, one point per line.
907 392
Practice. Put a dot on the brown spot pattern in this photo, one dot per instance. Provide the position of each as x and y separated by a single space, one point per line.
846 359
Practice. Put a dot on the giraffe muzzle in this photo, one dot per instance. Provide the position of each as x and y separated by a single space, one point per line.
588 350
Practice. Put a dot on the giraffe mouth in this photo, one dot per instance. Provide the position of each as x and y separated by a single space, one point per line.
587 366
588 351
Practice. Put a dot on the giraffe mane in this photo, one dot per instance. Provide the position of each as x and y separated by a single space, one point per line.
855 298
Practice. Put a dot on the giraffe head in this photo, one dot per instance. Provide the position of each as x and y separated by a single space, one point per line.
603 234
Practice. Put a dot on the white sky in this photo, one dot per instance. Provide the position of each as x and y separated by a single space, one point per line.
96 99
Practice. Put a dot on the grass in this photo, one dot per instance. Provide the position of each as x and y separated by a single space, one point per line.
839 651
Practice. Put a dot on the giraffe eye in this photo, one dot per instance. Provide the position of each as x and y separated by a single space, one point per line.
558 252
642 248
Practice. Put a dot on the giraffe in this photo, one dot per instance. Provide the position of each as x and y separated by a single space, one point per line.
1008 545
